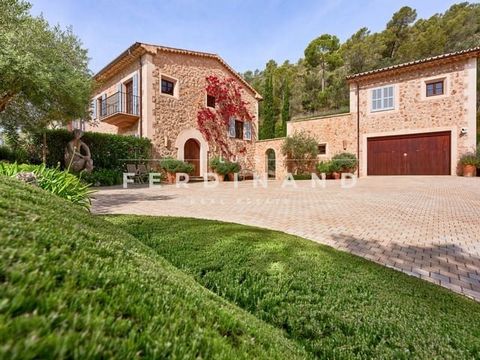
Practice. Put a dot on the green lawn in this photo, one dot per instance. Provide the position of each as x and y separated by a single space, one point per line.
75 286
335 304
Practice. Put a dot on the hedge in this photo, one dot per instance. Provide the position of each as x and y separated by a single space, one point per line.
108 151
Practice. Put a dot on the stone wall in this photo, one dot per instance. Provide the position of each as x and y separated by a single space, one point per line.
339 132
174 114
416 113
261 148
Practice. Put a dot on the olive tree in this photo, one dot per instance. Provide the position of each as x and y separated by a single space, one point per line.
301 151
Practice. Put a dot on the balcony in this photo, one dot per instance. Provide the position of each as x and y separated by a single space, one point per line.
120 109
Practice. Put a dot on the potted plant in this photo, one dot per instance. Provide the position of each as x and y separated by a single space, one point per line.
346 161
335 169
324 167
173 166
469 162
224 168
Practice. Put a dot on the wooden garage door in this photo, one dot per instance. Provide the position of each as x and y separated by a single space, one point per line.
418 154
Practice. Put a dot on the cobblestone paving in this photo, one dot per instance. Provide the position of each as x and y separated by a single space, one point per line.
428 227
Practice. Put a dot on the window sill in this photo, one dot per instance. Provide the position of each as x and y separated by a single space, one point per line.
382 110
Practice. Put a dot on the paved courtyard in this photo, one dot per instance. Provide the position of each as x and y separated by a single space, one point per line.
427 227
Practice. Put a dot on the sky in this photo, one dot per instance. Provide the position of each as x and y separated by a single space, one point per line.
246 33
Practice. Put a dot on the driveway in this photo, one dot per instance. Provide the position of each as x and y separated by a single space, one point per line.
427 227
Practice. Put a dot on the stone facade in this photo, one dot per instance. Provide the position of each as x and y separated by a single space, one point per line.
171 120
261 148
413 112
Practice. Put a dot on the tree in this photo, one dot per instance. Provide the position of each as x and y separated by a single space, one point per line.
323 53
285 115
397 30
41 67
268 111
301 151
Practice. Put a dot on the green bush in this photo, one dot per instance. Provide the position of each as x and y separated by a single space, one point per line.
302 177
60 183
19 155
175 166
102 177
469 158
345 161
108 151
324 167
224 167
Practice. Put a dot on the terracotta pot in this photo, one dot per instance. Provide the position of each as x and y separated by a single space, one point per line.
469 170
336 175
221 177
231 177
171 178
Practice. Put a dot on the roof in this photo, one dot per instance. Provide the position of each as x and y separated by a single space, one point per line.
444 58
138 49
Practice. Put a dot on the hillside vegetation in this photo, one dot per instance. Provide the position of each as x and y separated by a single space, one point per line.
316 83
76 286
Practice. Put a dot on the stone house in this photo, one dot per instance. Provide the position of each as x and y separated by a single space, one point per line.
415 118
156 92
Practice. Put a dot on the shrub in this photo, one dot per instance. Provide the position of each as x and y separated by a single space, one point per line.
175 166
10 155
301 151
302 177
345 161
60 183
469 158
324 167
108 151
224 167
102 177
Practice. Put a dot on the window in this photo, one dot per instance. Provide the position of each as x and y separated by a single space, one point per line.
247 130
211 101
231 127
322 149
382 98
102 105
235 128
238 129
435 88
168 87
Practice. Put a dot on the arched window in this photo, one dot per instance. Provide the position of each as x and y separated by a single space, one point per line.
271 164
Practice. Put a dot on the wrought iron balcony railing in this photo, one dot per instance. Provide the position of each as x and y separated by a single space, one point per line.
119 103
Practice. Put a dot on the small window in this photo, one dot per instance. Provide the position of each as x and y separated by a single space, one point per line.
382 98
435 88
322 149
211 101
168 87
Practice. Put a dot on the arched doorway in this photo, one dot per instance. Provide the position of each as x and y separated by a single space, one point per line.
191 154
270 165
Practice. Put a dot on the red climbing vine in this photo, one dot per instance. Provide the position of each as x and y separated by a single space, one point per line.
213 123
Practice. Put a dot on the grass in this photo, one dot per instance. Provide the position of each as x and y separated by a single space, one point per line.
334 304
76 286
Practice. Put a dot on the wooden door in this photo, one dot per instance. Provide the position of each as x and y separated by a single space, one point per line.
417 154
191 154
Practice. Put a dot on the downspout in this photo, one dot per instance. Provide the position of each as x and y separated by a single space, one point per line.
140 85
358 128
